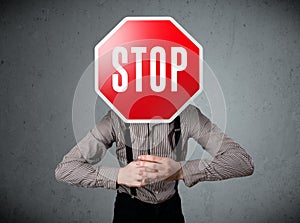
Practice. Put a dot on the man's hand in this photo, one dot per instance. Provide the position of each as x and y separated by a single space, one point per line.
132 175
161 168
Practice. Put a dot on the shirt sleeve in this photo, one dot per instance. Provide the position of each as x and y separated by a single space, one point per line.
77 166
228 158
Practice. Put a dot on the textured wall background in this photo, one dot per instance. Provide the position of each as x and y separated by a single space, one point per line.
253 48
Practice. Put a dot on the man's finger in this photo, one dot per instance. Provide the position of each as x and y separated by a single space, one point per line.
151 165
150 158
142 169
148 165
145 169
150 170
151 176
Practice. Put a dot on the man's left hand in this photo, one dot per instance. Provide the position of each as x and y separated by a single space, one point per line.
160 168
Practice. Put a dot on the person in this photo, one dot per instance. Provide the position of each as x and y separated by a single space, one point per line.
151 166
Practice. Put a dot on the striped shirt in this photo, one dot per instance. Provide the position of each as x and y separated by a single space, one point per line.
228 158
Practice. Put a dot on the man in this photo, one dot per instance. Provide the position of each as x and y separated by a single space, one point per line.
147 184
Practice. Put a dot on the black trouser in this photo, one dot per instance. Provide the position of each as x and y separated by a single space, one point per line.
132 210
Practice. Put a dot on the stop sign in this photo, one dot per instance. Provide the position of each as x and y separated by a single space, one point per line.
148 69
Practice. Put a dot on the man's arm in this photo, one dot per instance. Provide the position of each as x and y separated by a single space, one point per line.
228 160
77 166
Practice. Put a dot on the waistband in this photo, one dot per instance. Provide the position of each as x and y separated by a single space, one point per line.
136 200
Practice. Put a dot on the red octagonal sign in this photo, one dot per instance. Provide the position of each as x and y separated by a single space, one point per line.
148 69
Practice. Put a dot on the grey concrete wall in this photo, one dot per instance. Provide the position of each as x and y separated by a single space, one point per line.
253 48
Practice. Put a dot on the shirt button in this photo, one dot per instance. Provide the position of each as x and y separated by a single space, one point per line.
156 192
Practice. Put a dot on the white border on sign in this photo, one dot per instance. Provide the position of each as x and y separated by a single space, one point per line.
111 105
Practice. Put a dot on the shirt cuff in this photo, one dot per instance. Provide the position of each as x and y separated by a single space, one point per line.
193 172
107 177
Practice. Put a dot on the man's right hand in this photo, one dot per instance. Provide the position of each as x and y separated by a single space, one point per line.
131 175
